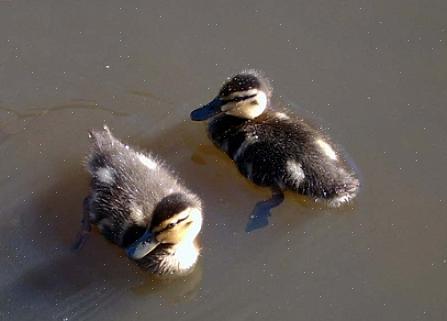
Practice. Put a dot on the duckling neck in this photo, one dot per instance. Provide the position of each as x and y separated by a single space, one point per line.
172 259
184 255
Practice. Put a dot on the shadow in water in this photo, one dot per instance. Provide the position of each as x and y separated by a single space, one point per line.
176 289
259 218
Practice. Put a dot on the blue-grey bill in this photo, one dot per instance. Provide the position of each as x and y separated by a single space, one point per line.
207 111
142 247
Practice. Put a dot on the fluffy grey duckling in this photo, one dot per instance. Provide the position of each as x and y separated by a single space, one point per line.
139 204
274 147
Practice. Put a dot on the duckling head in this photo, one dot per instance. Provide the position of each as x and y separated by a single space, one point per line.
245 95
176 222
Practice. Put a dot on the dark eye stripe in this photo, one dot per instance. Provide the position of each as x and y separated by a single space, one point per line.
171 225
236 99
182 219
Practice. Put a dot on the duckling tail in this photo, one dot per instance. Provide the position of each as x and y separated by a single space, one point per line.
101 138
345 193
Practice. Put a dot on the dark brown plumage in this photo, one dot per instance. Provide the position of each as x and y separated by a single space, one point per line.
132 194
274 147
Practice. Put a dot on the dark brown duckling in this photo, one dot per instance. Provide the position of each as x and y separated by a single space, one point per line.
139 204
275 148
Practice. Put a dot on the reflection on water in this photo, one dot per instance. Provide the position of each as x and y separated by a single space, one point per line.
16 121
73 106
145 93
174 290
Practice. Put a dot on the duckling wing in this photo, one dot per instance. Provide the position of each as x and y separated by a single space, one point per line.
307 161
283 152
126 186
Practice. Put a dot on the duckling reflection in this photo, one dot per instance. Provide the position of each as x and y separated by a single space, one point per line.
139 204
174 290
272 147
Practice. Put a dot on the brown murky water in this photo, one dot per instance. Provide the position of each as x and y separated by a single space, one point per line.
373 73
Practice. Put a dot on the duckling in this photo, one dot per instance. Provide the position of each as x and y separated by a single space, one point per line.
273 147
139 204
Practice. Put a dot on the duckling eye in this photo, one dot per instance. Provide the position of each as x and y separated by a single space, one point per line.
237 99
171 225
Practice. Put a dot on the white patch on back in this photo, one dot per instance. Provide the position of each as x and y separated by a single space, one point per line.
136 213
146 161
326 149
105 175
249 139
295 171
282 116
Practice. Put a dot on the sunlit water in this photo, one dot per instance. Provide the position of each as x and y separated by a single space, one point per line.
373 74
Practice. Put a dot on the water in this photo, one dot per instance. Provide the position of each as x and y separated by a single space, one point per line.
373 74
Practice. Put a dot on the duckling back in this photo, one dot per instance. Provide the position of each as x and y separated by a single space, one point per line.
279 150
125 188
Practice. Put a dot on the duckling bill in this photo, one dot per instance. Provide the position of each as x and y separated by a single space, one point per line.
139 204
273 147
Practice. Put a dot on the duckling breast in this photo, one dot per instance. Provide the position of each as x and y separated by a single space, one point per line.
171 260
